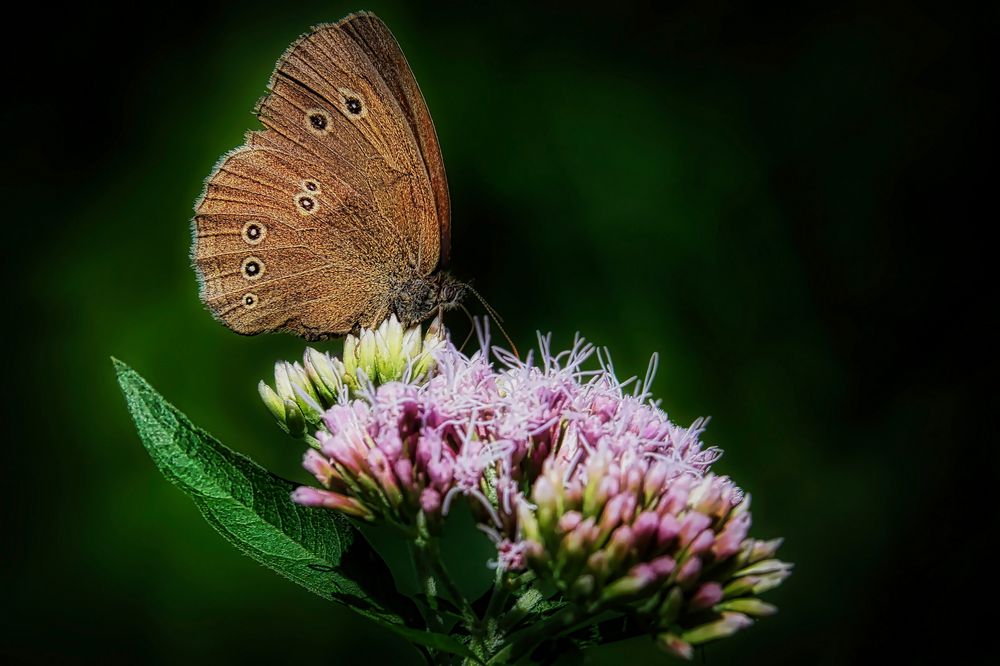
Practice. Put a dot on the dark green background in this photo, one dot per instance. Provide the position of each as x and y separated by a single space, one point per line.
780 202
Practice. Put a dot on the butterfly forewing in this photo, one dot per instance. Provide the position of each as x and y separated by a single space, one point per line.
314 223
381 47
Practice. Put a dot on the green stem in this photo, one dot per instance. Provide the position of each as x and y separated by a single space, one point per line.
429 585
498 600
451 589
522 643
432 571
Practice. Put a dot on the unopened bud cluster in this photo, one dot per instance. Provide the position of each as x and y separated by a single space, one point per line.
303 391
671 552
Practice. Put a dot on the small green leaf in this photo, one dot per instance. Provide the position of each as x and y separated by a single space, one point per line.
251 508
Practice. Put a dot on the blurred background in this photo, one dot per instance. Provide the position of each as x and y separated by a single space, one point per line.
780 202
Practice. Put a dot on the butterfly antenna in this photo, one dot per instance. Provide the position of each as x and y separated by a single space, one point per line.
496 318
489 308
472 326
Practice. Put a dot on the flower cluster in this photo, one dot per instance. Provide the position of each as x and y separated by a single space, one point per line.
304 391
585 484
673 551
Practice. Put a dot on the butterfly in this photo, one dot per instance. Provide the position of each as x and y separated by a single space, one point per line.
336 214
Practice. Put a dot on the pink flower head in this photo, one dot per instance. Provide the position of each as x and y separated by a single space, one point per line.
573 474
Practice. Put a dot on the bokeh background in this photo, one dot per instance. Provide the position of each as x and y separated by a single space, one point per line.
780 202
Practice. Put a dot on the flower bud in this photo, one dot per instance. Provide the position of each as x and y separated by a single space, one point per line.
653 483
569 521
389 360
326 374
644 529
689 571
763 567
706 596
430 501
740 586
282 385
304 393
411 344
619 546
293 401
748 606
670 609
546 498
351 362
702 543
319 466
423 358
639 579
673 644
274 403
294 420
382 472
366 352
583 587
668 530
771 581
692 525
731 538
728 625
307 496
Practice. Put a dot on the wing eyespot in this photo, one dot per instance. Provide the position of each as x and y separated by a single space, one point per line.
254 232
250 300
318 121
252 268
354 104
306 204
310 185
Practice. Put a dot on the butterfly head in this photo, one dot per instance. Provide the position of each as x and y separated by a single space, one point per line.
450 291
421 298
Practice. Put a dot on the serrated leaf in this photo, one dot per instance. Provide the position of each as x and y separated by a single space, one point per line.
252 509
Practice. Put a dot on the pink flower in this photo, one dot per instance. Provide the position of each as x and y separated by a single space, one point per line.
573 474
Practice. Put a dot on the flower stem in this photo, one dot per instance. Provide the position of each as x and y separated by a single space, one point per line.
433 554
522 643
498 600
429 585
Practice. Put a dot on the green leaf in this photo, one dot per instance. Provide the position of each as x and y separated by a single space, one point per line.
251 508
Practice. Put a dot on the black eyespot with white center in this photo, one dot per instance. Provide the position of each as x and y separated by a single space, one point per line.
254 232
252 268
250 301
310 185
354 103
317 121
306 203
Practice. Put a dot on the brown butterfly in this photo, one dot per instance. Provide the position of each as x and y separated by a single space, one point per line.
337 214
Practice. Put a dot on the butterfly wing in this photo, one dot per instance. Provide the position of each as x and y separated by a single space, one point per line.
312 225
381 47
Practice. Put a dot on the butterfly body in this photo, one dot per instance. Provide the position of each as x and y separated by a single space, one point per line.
420 298
337 213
